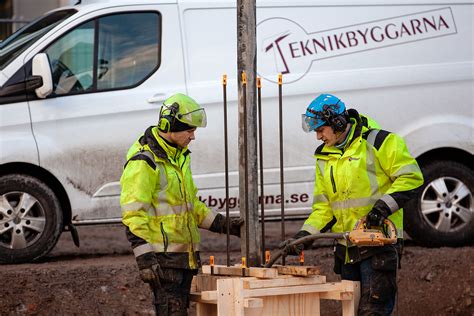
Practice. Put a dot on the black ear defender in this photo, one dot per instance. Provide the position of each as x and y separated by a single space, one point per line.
337 121
165 121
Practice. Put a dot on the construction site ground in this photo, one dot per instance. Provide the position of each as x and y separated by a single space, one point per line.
100 277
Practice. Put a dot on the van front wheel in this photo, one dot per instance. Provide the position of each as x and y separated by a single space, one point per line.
443 212
30 219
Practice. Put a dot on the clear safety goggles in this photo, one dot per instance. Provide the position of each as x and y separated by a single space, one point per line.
195 118
309 124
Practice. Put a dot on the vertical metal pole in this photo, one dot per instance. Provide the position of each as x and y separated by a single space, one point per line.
246 171
226 161
260 137
282 180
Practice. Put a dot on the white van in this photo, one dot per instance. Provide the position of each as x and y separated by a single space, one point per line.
80 84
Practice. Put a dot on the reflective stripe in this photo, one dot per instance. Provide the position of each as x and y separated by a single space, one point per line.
142 249
148 154
163 179
370 163
310 229
372 135
159 247
354 203
320 198
166 209
412 168
391 203
207 222
321 164
136 206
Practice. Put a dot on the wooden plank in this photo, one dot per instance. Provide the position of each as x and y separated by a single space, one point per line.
207 282
299 270
253 303
225 297
287 280
264 273
349 308
209 295
209 298
286 290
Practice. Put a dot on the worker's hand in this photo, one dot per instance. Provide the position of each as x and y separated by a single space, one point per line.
235 224
151 275
376 217
294 250
219 225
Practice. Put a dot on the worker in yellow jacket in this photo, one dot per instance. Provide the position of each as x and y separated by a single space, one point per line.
361 170
160 206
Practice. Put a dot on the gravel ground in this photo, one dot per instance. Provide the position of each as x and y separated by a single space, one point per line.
100 277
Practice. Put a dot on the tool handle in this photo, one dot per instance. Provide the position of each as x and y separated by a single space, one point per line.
304 239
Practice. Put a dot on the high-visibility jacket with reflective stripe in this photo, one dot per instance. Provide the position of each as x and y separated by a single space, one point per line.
375 165
159 199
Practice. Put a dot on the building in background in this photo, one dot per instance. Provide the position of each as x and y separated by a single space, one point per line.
16 13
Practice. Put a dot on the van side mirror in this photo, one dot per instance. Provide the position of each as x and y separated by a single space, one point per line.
42 69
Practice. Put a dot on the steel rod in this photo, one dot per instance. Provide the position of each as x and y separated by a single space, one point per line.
246 172
226 162
260 144
282 180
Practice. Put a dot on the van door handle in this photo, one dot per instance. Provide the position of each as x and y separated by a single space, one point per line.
157 98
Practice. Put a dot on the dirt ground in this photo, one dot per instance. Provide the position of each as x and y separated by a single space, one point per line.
100 277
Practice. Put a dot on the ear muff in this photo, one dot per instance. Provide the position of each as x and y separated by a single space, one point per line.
165 121
337 121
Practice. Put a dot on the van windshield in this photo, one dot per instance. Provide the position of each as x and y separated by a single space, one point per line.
19 41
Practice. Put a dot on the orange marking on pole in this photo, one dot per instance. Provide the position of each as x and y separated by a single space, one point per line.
302 258
267 256
280 79
224 79
259 82
244 78
211 260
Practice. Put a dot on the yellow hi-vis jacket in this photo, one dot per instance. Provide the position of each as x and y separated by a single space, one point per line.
373 167
159 202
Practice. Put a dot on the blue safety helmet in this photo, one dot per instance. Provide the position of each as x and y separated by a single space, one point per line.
326 109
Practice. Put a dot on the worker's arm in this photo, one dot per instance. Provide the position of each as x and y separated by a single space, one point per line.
396 161
321 218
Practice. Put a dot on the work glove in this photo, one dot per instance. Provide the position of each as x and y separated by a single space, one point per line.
219 225
149 269
294 250
377 215
151 275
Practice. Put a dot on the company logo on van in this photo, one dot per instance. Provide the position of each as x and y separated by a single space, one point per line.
293 50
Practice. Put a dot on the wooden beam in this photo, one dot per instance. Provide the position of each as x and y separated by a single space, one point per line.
264 273
282 281
299 270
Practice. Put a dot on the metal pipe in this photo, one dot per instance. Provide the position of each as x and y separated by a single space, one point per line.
246 172
226 162
282 181
260 137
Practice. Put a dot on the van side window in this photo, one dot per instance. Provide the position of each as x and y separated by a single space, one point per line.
72 60
112 52
128 49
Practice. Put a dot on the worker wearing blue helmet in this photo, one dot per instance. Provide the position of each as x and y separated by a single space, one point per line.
361 171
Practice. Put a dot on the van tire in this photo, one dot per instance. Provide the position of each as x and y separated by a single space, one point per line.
35 229
425 229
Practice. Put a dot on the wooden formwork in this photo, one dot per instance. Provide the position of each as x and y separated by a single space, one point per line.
265 292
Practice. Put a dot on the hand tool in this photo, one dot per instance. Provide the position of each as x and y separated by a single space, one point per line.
359 236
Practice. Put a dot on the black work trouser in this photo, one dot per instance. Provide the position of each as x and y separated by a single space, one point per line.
172 298
378 281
